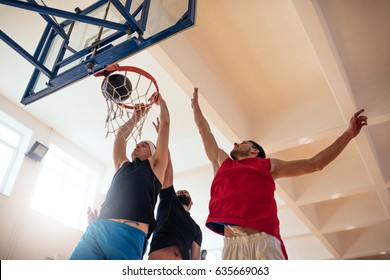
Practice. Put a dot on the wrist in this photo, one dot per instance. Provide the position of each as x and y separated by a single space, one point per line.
350 135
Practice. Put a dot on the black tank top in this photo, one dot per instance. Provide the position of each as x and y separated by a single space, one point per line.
174 225
132 194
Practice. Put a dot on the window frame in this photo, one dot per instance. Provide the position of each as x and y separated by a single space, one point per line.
8 182
90 191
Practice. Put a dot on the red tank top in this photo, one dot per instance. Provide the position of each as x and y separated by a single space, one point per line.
242 193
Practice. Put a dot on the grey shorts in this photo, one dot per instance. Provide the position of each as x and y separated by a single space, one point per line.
259 246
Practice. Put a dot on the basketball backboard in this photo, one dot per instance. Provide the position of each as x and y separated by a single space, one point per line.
80 42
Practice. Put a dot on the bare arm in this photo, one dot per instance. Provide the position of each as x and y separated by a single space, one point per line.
213 152
282 168
120 144
159 160
168 177
195 251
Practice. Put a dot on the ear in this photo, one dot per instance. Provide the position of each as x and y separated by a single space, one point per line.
255 151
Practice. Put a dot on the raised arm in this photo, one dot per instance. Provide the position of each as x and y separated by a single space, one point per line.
120 144
213 152
281 168
159 160
168 176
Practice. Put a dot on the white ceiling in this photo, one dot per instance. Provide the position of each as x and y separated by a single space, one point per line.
286 73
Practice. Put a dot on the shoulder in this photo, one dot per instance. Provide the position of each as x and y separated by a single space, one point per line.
274 164
227 161
167 192
222 156
124 164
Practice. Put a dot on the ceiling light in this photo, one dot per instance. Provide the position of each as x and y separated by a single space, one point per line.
335 195
304 140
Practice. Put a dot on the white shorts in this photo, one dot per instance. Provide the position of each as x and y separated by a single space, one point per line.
258 246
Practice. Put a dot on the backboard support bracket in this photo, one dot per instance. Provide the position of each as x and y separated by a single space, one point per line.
98 55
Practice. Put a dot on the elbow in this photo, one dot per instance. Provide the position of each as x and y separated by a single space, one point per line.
203 130
318 168
316 165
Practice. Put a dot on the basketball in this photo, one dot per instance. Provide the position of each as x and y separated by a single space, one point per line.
117 88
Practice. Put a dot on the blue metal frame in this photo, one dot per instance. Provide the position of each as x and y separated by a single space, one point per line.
104 53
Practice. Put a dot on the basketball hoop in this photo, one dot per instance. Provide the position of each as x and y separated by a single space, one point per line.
122 92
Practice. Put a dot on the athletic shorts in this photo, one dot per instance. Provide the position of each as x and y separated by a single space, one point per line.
259 246
110 240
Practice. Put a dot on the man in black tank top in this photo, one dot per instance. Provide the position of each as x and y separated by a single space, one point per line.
177 236
126 219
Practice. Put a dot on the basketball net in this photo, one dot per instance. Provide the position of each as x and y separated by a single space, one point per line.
123 93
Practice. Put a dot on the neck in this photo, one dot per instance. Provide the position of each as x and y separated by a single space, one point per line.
244 157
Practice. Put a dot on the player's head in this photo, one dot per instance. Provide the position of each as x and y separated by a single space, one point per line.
184 198
143 150
152 147
247 149
261 153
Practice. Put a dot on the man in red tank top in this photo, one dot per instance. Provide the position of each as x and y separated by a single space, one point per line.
242 206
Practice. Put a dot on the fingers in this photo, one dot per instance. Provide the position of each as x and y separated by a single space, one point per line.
156 124
155 96
139 106
360 120
195 95
359 112
194 99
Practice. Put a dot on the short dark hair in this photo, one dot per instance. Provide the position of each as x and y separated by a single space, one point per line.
261 153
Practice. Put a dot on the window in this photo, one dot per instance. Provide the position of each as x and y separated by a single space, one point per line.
64 188
14 138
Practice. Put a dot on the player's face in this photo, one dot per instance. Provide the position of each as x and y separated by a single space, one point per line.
141 151
241 150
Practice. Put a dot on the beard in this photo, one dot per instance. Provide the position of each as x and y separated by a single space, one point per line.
235 153
184 200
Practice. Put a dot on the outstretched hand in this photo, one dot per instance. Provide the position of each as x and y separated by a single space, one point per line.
156 99
140 110
92 215
356 123
157 124
194 100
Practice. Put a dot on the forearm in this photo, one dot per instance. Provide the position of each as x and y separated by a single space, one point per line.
163 132
168 177
200 120
164 114
327 155
125 130
210 144
159 160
